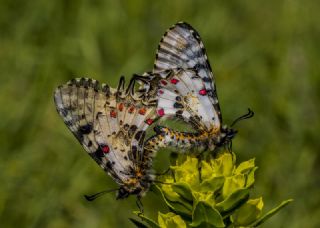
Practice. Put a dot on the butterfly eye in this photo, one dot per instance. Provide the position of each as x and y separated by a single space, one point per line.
231 133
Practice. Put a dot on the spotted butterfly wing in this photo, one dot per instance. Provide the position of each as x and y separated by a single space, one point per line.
181 47
110 124
189 92
183 94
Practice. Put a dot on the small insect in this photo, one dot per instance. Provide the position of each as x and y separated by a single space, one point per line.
111 126
189 92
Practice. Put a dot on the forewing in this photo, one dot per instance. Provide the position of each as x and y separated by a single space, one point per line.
181 47
109 124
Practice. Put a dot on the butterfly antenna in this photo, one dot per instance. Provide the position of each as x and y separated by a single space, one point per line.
243 117
94 196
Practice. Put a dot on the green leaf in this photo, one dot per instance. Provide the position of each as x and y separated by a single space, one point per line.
233 201
180 208
224 164
213 184
250 177
245 167
232 184
149 221
207 197
183 208
248 212
169 193
205 214
271 213
187 172
170 220
207 171
183 190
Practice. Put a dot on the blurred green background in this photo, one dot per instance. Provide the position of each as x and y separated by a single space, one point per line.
265 55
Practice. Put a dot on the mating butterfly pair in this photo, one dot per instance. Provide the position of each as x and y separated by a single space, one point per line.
111 123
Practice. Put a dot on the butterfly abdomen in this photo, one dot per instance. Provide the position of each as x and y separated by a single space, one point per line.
182 140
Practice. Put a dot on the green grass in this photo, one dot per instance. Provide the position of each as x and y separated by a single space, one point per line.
265 55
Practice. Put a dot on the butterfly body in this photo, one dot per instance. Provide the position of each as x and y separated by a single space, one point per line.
190 141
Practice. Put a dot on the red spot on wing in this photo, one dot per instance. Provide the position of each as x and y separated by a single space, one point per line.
160 91
174 81
105 149
142 111
120 107
160 112
149 121
131 109
203 92
113 114
163 82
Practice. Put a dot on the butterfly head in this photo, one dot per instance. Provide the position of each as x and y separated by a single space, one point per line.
226 136
123 193
230 133
134 186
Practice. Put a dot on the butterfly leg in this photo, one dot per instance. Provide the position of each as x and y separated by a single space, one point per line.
200 157
139 205
230 151
229 147
173 161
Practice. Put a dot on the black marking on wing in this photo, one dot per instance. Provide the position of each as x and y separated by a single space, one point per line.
181 47
92 113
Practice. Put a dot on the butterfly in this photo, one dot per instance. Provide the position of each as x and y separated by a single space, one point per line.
111 123
111 126
189 92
